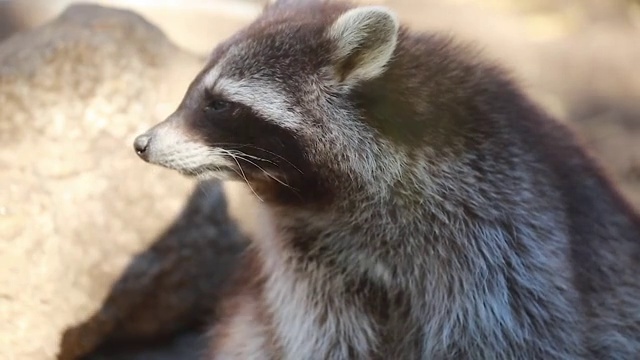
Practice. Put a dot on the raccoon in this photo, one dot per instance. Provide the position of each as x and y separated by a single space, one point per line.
413 202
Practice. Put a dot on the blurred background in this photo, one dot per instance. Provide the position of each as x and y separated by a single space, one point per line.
105 257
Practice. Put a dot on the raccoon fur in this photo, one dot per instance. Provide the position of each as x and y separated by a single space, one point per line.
413 202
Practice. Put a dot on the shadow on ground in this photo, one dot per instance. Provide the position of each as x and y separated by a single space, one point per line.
182 274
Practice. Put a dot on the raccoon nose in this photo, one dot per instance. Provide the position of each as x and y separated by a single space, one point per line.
140 144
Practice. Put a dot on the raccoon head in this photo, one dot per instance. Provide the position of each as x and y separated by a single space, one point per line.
273 105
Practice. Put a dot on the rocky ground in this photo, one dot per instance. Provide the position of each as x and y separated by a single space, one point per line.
98 248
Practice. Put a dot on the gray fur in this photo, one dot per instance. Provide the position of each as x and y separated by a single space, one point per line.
458 221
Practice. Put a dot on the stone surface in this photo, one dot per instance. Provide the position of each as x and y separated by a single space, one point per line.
86 234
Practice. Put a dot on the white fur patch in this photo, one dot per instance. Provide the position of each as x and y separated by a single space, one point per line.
260 94
263 97
296 315
209 79
172 148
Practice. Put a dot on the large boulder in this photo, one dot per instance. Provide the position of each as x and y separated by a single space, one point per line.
88 241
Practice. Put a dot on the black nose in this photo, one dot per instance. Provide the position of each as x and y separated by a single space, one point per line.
140 144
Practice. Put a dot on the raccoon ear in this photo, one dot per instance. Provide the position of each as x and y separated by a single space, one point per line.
364 40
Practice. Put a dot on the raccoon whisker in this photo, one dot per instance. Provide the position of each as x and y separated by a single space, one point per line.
240 153
245 179
243 174
262 149
246 157
241 157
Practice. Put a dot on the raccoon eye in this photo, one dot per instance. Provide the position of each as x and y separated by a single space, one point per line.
217 105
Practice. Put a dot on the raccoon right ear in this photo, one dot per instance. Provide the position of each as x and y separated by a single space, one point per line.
364 40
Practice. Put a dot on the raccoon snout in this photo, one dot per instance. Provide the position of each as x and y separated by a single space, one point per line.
141 144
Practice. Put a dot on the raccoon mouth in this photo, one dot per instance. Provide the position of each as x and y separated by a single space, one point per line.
205 169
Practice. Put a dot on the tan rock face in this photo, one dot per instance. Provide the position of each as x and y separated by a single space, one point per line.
77 205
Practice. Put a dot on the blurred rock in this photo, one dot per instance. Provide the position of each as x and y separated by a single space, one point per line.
84 236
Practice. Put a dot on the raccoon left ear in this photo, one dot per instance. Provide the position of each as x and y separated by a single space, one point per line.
364 40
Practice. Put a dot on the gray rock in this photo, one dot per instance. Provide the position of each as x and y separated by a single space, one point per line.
86 241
